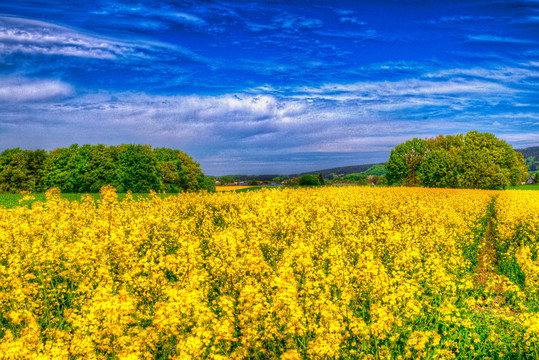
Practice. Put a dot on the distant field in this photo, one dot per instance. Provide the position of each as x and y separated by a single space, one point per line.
524 187
232 188
12 200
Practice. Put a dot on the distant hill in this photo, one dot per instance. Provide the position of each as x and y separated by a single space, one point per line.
326 173
531 157
531 151
343 170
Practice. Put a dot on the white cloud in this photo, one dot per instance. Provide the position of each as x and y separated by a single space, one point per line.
520 140
21 90
19 35
363 117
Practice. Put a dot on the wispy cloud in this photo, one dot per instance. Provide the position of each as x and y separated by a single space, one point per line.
364 35
351 20
166 13
461 19
504 74
296 22
408 87
500 39
18 35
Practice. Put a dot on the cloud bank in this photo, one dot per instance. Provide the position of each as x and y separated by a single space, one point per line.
266 87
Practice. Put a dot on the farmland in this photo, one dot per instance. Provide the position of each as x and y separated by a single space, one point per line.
330 272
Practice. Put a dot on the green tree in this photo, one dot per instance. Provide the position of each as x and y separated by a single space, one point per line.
173 175
309 180
321 179
475 160
16 173
194 177
100 168
89 167
403 167
139 169
439 166
36 167
226 180
206 183
180 172
485 162
61 169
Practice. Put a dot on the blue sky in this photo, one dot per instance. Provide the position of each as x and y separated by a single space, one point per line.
267 86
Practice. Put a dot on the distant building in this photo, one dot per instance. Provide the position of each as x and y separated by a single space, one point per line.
217 183
530 180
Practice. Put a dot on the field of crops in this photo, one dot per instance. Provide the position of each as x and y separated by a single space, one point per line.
320 273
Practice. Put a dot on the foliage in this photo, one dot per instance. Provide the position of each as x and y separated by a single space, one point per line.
226 180
88 168
309 180
476 160
316 273
61 169
21 170
403 167
321 180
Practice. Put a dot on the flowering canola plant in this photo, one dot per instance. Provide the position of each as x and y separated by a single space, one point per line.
318 273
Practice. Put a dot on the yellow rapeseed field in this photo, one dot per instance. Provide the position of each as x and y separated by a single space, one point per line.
319 273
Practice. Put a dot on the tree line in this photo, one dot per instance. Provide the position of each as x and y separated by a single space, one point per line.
86 168
475 161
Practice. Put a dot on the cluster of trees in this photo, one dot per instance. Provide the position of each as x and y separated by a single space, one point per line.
311 180
475 160
87 168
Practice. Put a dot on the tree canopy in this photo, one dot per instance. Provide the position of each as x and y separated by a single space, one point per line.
475 161
87 168
309 180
